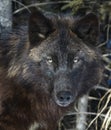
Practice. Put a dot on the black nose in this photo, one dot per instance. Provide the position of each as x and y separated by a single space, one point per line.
64 96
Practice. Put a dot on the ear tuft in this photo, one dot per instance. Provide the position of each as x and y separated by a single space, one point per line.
87 28
39 27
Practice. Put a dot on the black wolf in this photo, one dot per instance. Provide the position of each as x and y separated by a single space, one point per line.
44 69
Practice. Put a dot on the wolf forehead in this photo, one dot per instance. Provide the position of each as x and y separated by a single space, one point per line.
61 42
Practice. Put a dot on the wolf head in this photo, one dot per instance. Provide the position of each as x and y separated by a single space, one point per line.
61 60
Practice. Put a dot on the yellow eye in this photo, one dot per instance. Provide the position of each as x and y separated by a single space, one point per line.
76 59
49 60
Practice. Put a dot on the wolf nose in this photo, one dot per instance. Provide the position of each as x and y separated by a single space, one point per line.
64 96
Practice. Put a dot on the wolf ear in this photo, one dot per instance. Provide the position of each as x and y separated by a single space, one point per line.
87 28
39 27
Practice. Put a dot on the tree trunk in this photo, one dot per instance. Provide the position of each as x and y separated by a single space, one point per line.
5 15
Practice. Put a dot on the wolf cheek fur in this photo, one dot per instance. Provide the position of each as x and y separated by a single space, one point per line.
41 76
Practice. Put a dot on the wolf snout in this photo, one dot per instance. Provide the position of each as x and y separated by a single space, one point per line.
64 98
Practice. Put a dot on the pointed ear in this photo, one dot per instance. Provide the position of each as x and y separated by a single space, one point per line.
87 28
39 27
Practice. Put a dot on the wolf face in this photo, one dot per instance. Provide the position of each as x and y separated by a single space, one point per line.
61 60
64 48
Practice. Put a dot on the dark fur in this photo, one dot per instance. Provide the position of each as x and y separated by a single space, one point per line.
58 56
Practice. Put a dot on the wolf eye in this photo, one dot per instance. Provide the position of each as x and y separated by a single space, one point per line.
49 60
76 59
